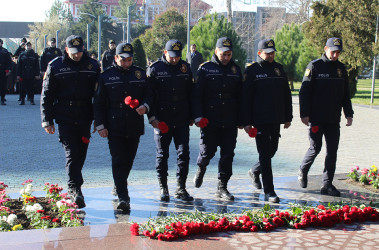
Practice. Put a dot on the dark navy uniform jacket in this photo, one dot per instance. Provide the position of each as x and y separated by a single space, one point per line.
217 92
48 55
111 112
172 86
28 64
5 60
108 58
68 89
266 96
325 91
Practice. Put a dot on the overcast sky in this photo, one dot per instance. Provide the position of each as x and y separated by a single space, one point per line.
24 10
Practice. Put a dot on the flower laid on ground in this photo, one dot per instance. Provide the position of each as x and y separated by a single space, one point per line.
366 176
61 212
265 219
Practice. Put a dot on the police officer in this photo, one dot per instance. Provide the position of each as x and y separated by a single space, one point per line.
49 54
123 124
27 72
68 88
323 94
108 56
20 48
171 81
266 103
5 70
215 99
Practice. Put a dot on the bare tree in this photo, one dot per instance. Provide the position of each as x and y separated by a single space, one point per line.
299 8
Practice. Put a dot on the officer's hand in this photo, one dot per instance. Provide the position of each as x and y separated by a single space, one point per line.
247 128
103 133
349 121
37 77
287 124
94 127
141 110
305 120
191 122
50 129
155 123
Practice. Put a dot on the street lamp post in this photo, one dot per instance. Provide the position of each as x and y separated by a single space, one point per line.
35 44
88 37
44 40
374 64
99 39
188 26
128 35
56 36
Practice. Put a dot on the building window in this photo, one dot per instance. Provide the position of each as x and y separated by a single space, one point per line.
77 9
113 10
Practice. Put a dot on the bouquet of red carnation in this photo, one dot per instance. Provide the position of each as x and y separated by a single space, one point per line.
203 122
163 127
85 140
133 103
253 132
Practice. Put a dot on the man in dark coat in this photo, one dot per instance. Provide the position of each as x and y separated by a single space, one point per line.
122 98
323 94
68 88
194 58
49 54
108 56
215 108
27 73
5 70
266 103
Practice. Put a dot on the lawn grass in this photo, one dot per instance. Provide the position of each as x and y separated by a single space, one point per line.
363 95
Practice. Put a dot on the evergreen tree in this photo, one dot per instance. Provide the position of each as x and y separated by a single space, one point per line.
308 53
352 20
166 26
206 32
139 57
287 43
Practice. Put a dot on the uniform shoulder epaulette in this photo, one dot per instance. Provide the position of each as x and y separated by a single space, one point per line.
157 61
55 59
204 63
108 68
250 64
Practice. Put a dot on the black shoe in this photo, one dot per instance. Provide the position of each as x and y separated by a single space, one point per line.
3 103
123 205
272 197
114 191
302 179
223 193
181 193
76 196
198 180
32 102
255 180
22 102
330 190
164 194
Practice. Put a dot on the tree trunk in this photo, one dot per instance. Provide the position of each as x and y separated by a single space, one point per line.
229 10
291 85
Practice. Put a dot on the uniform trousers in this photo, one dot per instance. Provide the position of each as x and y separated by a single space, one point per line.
27 87
3 85
75 147
123 151
267 141
181 140
331 132
226 139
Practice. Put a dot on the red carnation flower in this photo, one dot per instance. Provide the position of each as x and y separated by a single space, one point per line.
253 132
203 122
314 129
56 220
134 229
85 140
146 233
254 229
40 211
134 103
321 207
128 100
163 127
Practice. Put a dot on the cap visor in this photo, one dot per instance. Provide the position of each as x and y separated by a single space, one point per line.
75 50
125 55
223 49
269 50
174 53
334 48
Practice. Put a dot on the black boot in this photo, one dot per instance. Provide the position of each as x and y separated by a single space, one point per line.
3 102
32 101
222 191
164 189
76 196
22 102
181 192
198 180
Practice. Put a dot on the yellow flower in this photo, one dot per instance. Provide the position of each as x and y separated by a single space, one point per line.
17 227
374 169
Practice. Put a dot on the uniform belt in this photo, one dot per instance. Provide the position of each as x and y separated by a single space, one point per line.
74 103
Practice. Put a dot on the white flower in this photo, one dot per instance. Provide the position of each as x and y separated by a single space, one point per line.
3 218
29 208
37 206
59 204
11 219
